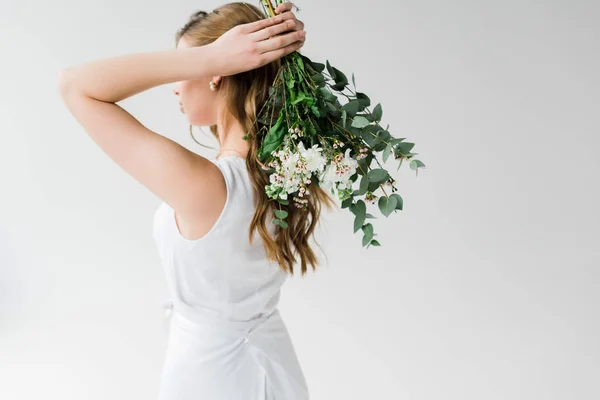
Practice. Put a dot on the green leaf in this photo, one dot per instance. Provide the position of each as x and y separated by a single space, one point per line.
368 230
283 224
387 205
360 211
377 112
283 201
346 203
300 63
319 67
279 222
359 208
363 100
404 148
353 82
399 165
364 185
360 122
378 175
273 138
373 186
340 77
344 116
358 222
399 201
290 83
300 97
351 107
370 216
374 243
319 79
365 240
281 213
414 164
330 70
386 152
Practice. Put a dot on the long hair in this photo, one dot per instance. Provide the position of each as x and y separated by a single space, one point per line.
245 94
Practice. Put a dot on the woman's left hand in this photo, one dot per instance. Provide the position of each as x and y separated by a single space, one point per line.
250 46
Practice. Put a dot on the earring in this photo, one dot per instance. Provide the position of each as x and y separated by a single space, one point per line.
213 86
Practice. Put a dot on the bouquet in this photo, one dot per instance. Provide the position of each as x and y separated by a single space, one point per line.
310 137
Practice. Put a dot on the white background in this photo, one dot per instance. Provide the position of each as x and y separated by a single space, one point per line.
485 287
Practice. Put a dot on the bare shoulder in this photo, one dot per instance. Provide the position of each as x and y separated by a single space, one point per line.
204 202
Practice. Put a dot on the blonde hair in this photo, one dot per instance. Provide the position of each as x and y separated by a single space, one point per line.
246 93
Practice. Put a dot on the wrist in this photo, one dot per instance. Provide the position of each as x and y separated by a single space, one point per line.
198 61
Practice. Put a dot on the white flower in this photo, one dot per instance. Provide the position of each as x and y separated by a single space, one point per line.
291 184
340 172
351 162
289 164
314 160
328 176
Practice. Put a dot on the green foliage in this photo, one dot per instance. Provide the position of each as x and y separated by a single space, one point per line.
307 95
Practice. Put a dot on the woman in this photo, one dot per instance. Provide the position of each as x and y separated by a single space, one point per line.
227 340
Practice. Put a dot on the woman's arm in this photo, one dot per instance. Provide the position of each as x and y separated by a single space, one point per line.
117 78
176 175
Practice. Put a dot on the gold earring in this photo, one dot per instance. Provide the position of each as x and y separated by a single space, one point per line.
213 86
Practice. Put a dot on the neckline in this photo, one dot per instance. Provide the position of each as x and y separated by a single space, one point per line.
229 156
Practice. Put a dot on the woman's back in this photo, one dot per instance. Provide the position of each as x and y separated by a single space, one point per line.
220 274
224 326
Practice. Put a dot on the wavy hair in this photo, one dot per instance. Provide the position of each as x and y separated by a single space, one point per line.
246 93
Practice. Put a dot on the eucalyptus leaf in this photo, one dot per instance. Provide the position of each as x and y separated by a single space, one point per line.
377 112
414 164
279 222
359 208
281 213
330 69
360 122
387 205
346 203
386 152
340 77
399 200
358 222
364 185
404 148
378 175
351 107
365 240
368 230
396 140
318 79
364 100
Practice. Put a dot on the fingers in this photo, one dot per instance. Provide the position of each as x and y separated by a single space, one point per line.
283 7
269 32
271 56
261 24
281 41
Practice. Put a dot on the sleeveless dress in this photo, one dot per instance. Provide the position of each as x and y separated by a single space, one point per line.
226 337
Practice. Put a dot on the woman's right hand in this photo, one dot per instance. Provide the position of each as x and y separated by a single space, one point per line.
249 46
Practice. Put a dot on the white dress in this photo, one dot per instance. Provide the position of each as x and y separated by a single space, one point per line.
227 339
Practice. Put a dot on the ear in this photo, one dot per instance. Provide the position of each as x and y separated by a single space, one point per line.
217 79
